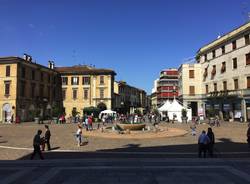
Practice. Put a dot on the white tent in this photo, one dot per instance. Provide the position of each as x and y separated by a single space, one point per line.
165 106
107 112
175 109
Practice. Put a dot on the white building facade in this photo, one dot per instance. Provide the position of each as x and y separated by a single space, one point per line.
225 65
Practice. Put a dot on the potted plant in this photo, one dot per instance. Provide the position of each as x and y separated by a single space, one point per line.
184 115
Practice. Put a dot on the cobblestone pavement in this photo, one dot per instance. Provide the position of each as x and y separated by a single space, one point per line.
230 142
132 171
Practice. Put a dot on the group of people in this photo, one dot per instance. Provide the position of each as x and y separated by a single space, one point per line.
40 142
206 143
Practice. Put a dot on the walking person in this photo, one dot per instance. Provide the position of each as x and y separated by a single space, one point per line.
37 141
210 135
193 129
248 135
47 137
203 142
79 135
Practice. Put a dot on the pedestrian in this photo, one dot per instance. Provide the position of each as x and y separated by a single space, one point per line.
210 135
248 135
86 123
193 129
37 141
47 137
217 121
90 123
79 135
203 142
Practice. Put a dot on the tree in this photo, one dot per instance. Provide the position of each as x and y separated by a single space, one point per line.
95 111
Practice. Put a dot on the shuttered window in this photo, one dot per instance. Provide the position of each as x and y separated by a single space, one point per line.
248 59
248 82
191 74
191 90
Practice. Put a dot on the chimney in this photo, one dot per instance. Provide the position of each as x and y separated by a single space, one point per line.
27 57
51 64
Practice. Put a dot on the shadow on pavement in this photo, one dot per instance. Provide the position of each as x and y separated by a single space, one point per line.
224 149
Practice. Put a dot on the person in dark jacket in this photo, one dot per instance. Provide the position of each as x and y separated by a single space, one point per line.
210 134
47 137
37 141
248 135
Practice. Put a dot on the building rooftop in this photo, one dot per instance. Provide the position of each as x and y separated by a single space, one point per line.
225 37
16 59
84 69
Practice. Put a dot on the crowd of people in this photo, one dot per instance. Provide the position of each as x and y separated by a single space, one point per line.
206 140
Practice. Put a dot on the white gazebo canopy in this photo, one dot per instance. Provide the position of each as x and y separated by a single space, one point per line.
174 108
105 112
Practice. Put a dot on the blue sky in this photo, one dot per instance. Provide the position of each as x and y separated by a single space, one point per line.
136 38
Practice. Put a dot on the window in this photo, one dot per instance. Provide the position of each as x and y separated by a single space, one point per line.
213 71
223 67
213 52
74 80
234 63
101 79
33 87
225 85
248 82
23 89
48 78
86 94
248 59
64 94
215 86
205 57
236 84
207 89
223 49
234 45
101 93
33 75
247 40
23 72
48 92
86 80
41 90
7 71
74 93
191 90
41 76
191 74
64 80
205 73
7 88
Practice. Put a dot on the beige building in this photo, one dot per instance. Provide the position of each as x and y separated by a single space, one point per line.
225 64
28 89
190 87
85 86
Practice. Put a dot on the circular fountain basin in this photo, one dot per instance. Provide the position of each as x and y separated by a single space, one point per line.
132 127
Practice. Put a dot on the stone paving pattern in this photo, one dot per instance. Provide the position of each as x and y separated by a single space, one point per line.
132 171
230 137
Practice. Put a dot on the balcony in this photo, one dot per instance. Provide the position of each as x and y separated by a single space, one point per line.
225 93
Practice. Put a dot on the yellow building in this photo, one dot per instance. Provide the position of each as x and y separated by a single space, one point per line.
28 89
84 86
